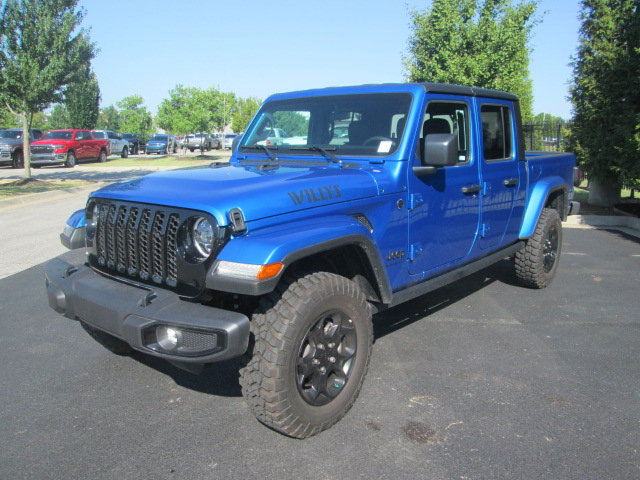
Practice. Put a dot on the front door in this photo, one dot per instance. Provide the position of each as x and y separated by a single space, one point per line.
444 209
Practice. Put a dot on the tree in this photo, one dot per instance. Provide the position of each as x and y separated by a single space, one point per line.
109 119
82 99
482 43
134 116
246 108
190 109
7 119
41 49
606 96
58 118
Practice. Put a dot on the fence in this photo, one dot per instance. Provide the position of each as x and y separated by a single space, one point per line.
547 136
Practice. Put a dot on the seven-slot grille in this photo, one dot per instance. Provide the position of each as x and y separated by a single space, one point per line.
139 240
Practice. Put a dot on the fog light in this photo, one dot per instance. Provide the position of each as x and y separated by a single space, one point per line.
169 338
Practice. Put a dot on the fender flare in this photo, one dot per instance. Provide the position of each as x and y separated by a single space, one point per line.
537 202
283 244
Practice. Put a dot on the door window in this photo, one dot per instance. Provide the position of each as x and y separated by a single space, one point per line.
496 132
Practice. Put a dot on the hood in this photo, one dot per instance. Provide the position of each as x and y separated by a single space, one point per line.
259 193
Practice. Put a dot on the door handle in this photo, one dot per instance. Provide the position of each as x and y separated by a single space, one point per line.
471 189
510 182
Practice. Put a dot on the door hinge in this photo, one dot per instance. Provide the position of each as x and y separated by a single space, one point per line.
415 200
415 249
483 230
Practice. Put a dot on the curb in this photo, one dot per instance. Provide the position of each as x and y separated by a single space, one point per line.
35 198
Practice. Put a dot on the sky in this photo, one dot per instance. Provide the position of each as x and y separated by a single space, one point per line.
256 48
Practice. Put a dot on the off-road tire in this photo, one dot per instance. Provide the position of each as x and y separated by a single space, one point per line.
309 354
111 343
71 160
537 262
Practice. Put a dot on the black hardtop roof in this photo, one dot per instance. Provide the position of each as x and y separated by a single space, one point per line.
448 88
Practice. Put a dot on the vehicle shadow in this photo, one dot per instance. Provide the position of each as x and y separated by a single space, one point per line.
221 379
389 321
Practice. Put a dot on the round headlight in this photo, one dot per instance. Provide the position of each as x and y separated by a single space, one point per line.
203 236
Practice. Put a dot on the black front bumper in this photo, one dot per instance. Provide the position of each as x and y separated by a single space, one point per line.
133 313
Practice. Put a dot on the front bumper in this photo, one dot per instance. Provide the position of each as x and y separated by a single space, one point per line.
48 158
134 314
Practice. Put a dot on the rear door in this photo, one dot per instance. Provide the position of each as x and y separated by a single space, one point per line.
502 174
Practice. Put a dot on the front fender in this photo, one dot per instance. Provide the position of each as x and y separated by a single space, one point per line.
73 236
538 200
289 243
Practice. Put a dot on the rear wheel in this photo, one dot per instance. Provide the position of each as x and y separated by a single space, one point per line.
537 263
310 356
125 152
71 160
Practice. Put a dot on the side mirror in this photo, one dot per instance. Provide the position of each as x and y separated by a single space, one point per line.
440 150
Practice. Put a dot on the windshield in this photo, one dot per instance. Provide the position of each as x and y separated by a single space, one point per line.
161 138
58 135
364 124
127 136
10 134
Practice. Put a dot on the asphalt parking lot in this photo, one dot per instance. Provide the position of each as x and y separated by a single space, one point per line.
479 380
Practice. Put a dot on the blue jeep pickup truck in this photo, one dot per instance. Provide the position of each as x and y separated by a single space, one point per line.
377 195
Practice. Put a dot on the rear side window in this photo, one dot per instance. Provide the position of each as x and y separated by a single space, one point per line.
496 132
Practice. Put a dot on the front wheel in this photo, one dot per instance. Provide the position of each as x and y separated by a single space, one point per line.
18 159
71 160
310 355
537 262
103 156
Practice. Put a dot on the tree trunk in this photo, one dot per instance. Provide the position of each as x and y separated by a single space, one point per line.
604 194
26 152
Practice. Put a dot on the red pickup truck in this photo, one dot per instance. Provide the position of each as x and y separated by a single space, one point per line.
68 147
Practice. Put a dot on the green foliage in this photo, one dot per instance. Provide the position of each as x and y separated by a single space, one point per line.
109 119
292 122
190 109
58 118
7 119
246 108
606 91
482 43
82 100
134 116
41 49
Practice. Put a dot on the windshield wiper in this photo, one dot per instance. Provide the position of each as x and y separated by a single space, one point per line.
266 149
325 151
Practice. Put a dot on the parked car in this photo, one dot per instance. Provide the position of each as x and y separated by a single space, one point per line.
68 147
228 140
202 141
117 144
136 143
161 143
11 146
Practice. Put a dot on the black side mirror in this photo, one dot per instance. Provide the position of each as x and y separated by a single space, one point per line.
440 150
